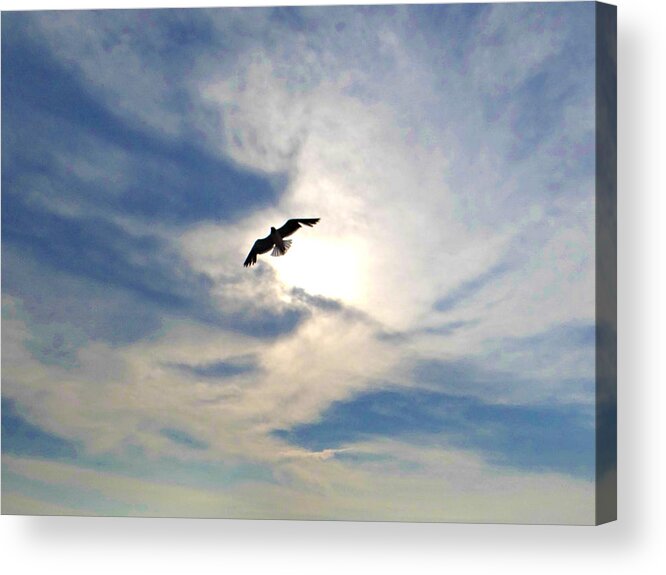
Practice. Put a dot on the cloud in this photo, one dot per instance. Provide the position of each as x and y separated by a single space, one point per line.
183 438
138 49
103 252
121 166
357 154
469 288
322 455
158 383
16 504
51 302
23 438
106 199
235 430
221 369
313 488
542 438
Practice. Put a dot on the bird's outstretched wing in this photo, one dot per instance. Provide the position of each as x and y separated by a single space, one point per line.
292 225
260 247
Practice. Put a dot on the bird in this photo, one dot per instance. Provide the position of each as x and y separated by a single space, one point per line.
275 240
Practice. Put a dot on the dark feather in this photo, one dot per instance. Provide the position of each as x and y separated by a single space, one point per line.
260 247
292 225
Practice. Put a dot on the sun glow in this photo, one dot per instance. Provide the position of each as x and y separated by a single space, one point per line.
324 266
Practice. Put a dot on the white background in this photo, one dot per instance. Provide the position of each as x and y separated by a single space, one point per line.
636 543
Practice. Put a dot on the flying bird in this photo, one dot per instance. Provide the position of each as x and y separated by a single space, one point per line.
275 240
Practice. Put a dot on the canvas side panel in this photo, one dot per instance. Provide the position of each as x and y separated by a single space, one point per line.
606 263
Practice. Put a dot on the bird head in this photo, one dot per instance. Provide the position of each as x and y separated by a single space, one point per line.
273 229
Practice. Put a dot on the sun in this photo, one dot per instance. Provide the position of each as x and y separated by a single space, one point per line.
328 267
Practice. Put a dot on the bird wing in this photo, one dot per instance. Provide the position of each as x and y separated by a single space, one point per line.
292 225
261 246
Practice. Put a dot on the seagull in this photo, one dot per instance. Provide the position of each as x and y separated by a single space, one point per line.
276 240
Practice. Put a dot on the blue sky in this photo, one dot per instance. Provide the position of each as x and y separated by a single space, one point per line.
425 353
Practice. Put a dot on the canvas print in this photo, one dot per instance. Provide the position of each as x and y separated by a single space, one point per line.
318 263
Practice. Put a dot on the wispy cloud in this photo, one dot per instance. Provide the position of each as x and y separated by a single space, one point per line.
536 438
449 484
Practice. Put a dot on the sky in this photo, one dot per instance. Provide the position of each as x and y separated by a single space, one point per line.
425 353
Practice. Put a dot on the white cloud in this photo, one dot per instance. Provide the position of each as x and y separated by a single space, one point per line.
369 153
122 57
372 189
120 396
512 45
369 136
413 484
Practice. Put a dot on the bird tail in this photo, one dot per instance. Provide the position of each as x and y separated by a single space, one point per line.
281 250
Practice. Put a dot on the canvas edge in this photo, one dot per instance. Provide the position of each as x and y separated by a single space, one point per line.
606 263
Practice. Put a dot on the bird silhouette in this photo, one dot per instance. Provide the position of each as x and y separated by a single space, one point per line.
275 240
